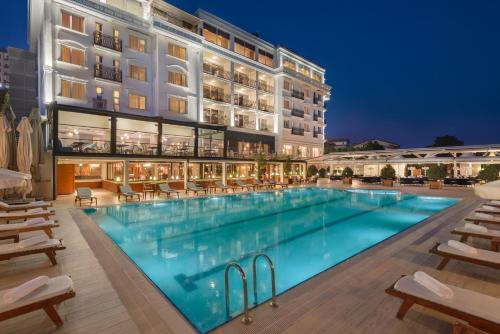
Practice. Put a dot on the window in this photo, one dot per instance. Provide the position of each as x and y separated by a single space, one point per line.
71 21
288 63
116 100
306 127
265 58
98 26
137 101
137 43
286 124
98 90
177 51
317 76
286 85
286 104
177 105
244 48
137 72
72 56
306 110
304 70
177 78
306 92
216 36
71 89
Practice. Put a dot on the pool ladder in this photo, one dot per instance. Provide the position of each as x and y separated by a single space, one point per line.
246 315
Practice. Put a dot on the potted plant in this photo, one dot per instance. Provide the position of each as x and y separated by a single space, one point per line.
388 174
322 177
347 174
436 174
287 169
489 173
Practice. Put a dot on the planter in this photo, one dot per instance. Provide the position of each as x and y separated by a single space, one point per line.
347 180
322 181
435 185
387 183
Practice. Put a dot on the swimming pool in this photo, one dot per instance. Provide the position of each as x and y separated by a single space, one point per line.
184 245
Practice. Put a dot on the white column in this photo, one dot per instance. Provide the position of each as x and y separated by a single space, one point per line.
125 173
231 108
185 173
282 176
224 176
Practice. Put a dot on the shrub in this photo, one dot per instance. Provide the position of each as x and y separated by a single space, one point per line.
347 172
322 172
312 170
489 173
436 172
388 172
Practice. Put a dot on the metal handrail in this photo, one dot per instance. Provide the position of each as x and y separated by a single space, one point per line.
273 301
246 317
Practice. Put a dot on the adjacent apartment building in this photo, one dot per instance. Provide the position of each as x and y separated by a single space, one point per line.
145 90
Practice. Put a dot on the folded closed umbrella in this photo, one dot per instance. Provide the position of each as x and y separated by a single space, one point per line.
24 150
36 140
4 141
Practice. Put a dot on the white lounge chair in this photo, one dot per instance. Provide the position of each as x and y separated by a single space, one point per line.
31 225
191 186
164 188
49 247
25 206
481 257
24 215
127 192
224 188
244 185
479 310
488 234
85 194
57 290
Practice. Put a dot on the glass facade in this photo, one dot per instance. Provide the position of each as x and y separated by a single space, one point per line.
83 133
177 140
136 137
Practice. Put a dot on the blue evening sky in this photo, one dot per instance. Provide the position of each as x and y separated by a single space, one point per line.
401 70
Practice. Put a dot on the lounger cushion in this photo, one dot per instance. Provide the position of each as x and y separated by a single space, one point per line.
488 233
14 248
471 302
23 225
55 287
484 255
24 214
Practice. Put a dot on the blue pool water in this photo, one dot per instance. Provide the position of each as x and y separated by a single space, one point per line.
184 245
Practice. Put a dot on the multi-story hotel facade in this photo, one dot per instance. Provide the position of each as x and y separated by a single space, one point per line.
138 89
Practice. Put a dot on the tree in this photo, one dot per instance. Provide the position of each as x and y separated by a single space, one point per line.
489 173
347 172
436 172
261 165
446 140
287 166
312 170
388 172
322 172
372 146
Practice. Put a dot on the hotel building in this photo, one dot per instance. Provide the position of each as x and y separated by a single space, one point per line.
138 90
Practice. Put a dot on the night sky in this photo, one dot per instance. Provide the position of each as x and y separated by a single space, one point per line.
401 70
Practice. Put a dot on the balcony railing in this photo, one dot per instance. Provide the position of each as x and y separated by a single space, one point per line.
245 125
297 131
266 87
215 94
210 152
177 151
216 70
107 41
315 134
298 113
244 80
107 73
297 94
244 101
265 107
99 103
317 118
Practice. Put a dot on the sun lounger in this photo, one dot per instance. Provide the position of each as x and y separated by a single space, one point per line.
481 257
494 203
488 209
47 246
460 328
85 194
24 207
191 186
37 224
164 188
483 233
127 192
24 215
224 188
485 218
258 183
57 290
281 184
243 185
477 309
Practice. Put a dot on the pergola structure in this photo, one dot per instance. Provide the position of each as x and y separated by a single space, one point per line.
466 160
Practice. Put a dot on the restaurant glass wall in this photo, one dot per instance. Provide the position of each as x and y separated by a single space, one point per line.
136 137
88 171
210 143
205 171
237 171
177 140
115 171
87 133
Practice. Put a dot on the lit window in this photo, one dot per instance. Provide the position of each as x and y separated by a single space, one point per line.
71 89
116 100
137 43
216 36
177 105
72 56
317 76
265 58
290 64
98 90
177 51
244 48
137 102
71 21
304 70
137 72
177 78
286 85
286 104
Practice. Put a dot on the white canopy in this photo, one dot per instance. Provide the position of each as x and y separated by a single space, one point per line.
490 190
10 179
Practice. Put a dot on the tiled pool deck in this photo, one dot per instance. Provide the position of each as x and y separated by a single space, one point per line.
114 297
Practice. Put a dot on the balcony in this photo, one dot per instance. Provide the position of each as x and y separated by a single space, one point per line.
297 94
263 86
99 103
216 70
317 118
244 80
107 41
245 125
244 101
265 107
215 94
107 73
297 131
315 134
298 113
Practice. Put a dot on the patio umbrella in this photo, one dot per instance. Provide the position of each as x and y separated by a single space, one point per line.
11 136
10 179
4 138
24 150
36 141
